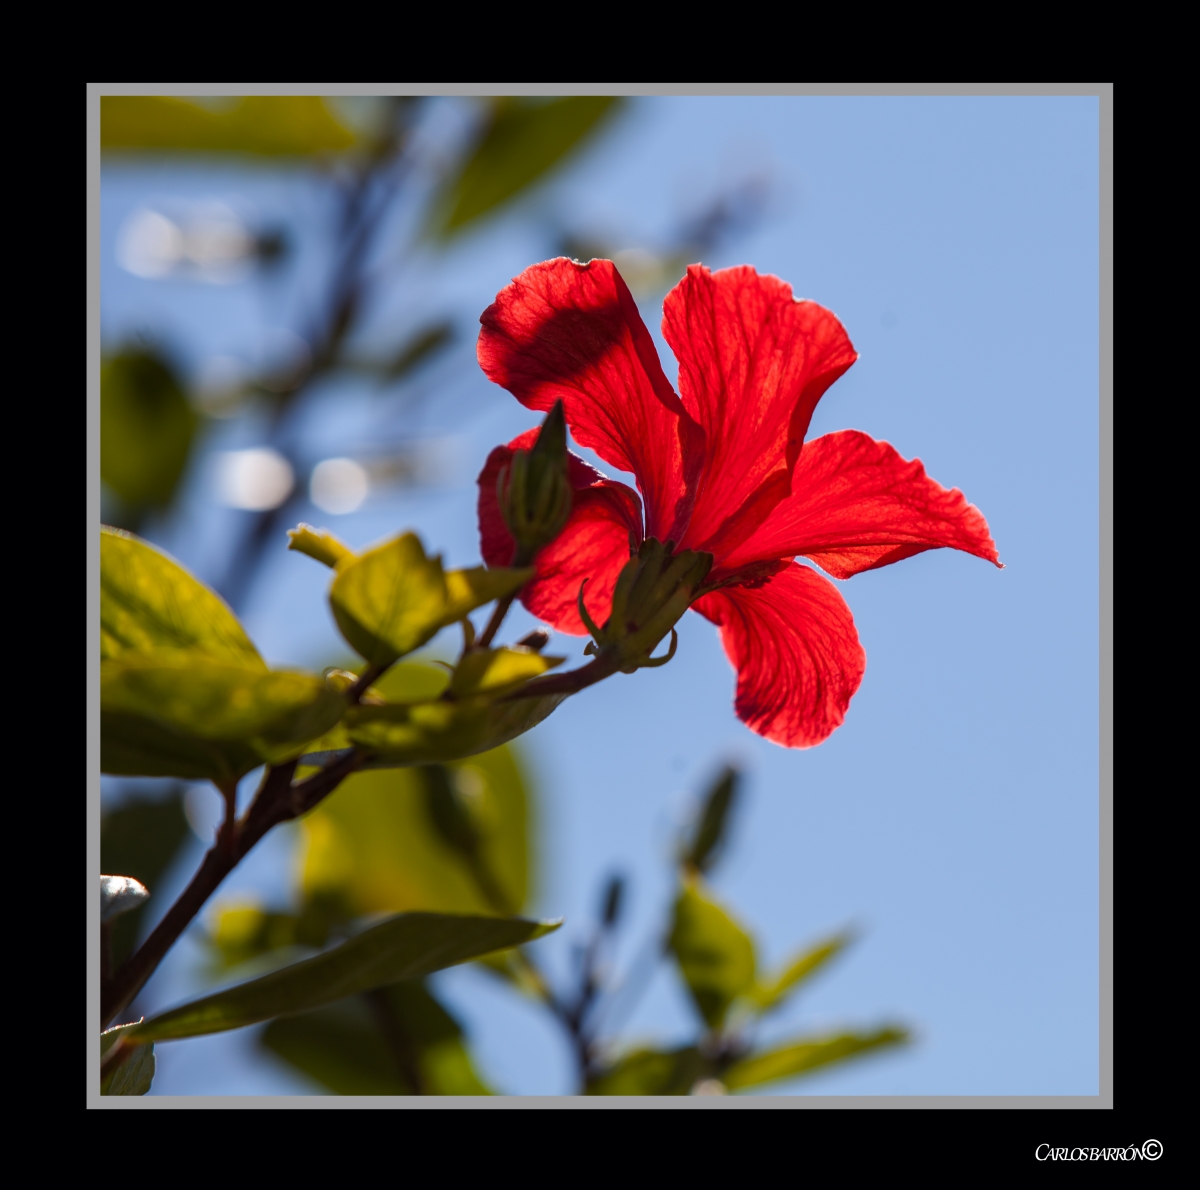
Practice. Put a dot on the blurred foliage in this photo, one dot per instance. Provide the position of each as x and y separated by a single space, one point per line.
262 125
396 1041
128 1073
146 429
454 838
714 953
140 839
401 947
806 1055
521 141
150 604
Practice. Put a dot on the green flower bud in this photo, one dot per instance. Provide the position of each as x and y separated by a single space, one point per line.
534 490
652 592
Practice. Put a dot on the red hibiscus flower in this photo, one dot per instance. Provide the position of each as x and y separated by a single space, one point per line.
722 467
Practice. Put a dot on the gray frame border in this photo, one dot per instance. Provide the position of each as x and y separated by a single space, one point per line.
1104 93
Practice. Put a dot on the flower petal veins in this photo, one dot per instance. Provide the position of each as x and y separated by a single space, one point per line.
856 505
793 643
571 331
723 467
753 362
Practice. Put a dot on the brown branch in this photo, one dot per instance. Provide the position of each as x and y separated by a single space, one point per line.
277 801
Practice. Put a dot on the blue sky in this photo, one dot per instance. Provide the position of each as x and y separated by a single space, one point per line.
954 816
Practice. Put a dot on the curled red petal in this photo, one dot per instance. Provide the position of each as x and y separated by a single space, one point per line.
572 331
792 640
604 529
856 505
753 362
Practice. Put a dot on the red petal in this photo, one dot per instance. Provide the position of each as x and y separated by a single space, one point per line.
604 529
857 505
753 363
792 640
569 330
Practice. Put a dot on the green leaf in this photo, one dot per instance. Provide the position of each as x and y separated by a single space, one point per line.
373 845
184 715
710 831
807 1054
421 733
141 839
421 347
390 599
128 1073
146 429
770 993
149 603
653 1072
379 1045
493 671
523 140
264 125
244 932
319 544
715 955
407 946
468 589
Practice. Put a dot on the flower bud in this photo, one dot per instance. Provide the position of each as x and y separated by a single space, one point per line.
534 490
653 590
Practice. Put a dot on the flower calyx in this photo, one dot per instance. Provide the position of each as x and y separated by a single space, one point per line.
534 490
653 590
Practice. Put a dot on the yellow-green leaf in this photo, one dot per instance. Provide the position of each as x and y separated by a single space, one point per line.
186 715
407 946
523 140
149 603
390 599
770 993
372 846
652 1072
494 670
128 1073
715 955
264 125
379 1045
468 589
319 544
807 1054
426 732
146 429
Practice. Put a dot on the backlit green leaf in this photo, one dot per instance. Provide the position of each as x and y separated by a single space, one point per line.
390 599
184 715
495 670
653 1072
149 603
129 1072
397 1041
407 946
468 589
715 955
770 993
421 733
523 140
146 428
374 847
807 1054
265 125
711 829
